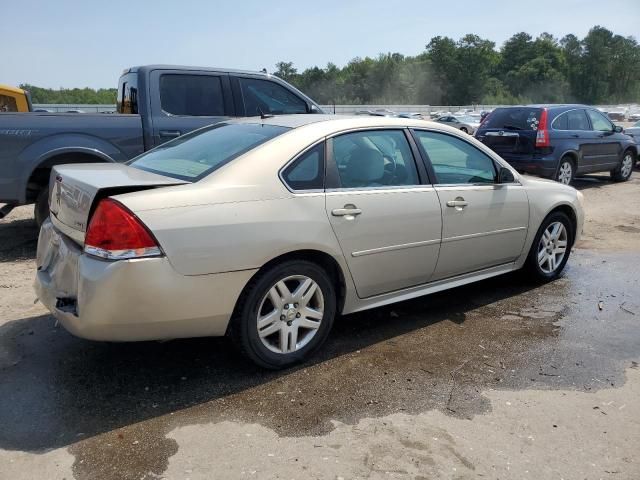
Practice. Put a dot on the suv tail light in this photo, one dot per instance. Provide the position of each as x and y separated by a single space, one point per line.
115 233
542 137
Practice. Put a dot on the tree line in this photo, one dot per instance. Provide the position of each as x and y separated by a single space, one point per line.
71 95
601 68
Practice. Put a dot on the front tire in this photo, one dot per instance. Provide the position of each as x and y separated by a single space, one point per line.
41 208
464 129
623 172
551 248
285 314
566 171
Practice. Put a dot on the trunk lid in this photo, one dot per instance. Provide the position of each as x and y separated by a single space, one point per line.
511 130
76 189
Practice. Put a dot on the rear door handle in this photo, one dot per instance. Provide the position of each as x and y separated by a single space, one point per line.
345 212
457 203
170 133
575 135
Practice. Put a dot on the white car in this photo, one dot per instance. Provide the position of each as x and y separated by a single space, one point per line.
266 229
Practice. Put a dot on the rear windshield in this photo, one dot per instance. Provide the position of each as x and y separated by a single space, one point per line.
194 156
514 118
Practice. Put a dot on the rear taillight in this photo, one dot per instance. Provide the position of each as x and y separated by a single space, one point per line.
542 136
115 233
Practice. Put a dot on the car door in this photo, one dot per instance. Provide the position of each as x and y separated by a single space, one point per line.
484 223
385 214
572 130
606 143
184 101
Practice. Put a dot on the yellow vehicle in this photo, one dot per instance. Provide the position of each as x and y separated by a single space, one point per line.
14 99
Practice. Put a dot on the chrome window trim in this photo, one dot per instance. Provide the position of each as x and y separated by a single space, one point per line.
384 189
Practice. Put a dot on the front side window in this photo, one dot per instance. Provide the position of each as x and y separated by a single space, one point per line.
455 161
265 96
599 121
197 154
191 95
8 104
307 171
374 158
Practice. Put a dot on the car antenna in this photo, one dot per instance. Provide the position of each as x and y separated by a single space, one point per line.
264 115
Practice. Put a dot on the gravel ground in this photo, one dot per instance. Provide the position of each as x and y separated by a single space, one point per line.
500 379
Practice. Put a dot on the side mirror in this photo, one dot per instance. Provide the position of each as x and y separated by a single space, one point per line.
505 175
618 129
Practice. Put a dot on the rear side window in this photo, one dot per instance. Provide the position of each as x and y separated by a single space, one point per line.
572 120
8 104
455 161
577 120
191 95
128 93
269 97
374 158
307 171
197 154
514 118
599 121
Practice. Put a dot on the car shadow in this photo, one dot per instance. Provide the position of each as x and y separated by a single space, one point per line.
56 389
591 181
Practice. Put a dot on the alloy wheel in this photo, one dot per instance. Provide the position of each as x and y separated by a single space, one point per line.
565 173
290 314
552 247
627 165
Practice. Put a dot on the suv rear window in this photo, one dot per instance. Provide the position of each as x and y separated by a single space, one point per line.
197 154
514 118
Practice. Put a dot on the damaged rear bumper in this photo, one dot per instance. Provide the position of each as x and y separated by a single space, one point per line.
130 300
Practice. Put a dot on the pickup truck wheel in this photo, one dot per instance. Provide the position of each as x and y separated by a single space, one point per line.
623 172
41 209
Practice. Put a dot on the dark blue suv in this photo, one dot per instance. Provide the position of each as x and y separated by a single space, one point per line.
559 141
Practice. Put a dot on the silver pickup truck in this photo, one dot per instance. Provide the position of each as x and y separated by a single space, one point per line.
155 103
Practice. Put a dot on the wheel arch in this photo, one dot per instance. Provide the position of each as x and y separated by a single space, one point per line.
39 174
323 259
570 212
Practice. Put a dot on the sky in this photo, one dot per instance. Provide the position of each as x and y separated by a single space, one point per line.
80 43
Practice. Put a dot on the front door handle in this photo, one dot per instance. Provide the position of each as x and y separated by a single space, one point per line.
347 211
170 133
575 135
458 203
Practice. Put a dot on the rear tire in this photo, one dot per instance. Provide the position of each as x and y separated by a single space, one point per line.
551 248
566 171
279 333
623 172
464 129
41 208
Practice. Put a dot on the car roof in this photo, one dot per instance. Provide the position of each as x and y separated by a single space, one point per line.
299 120
148 68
